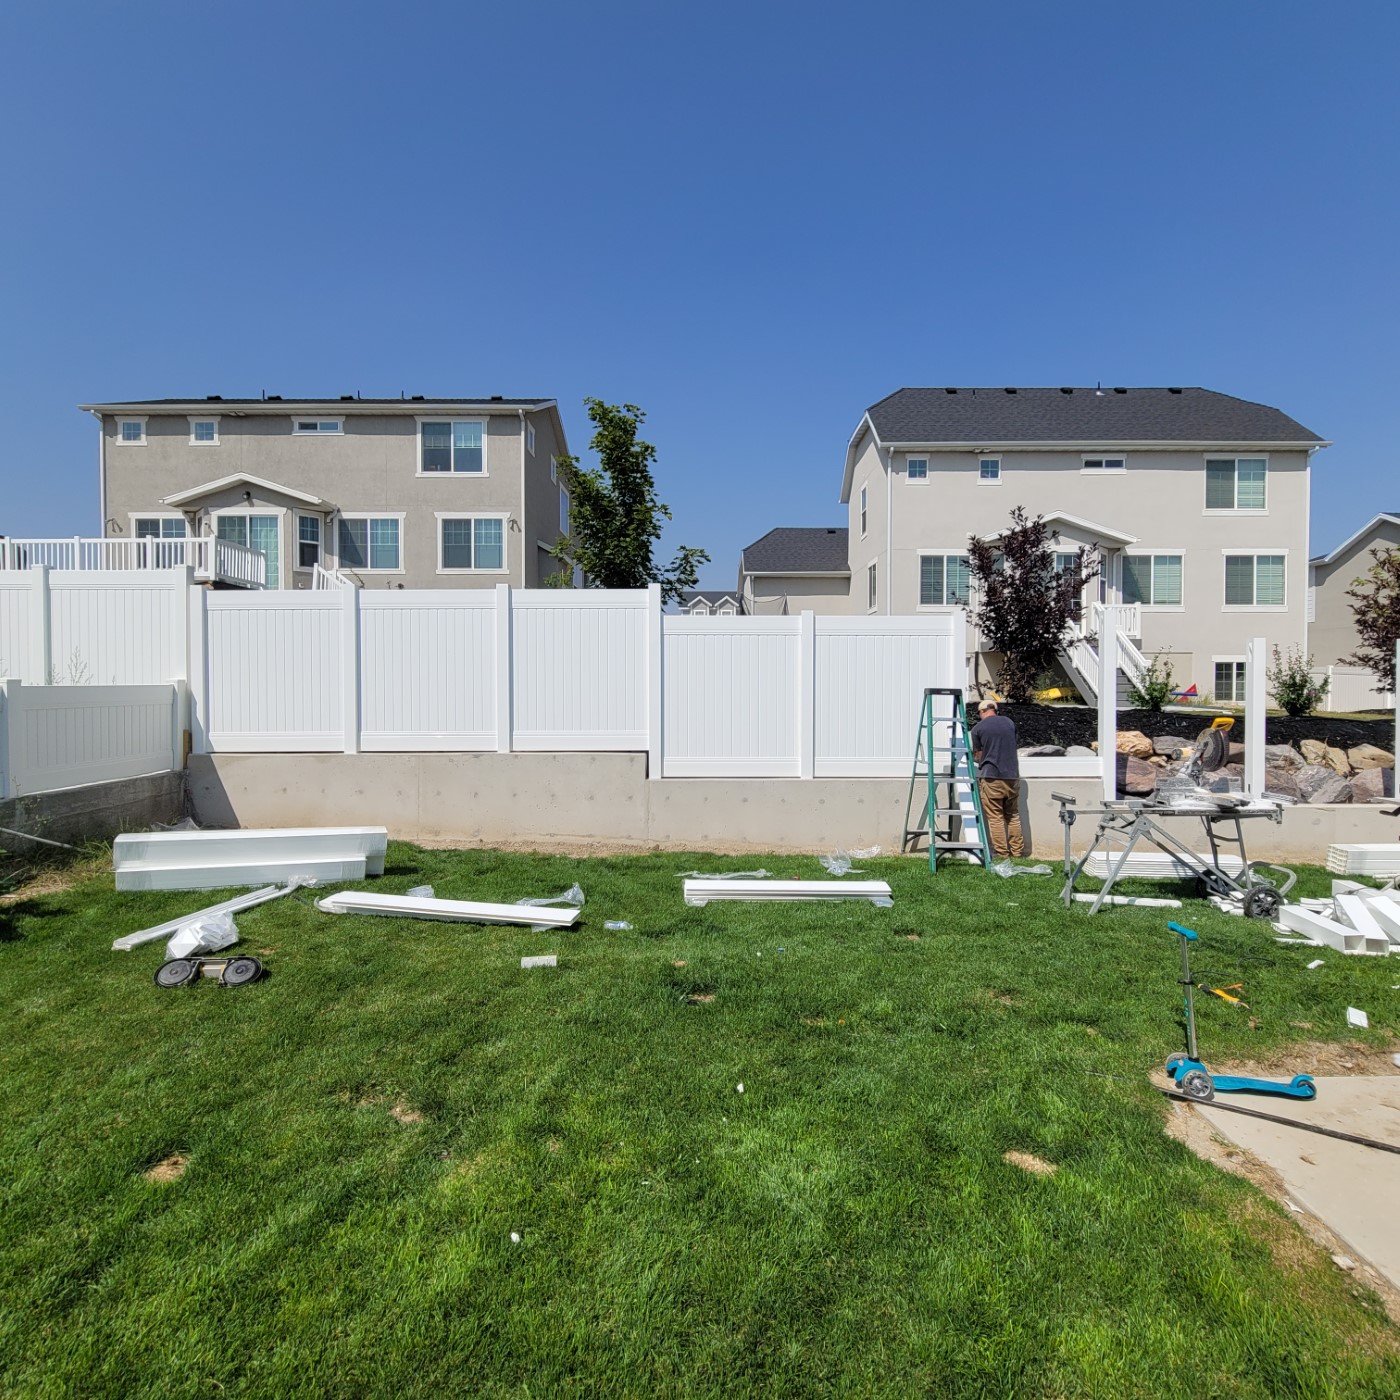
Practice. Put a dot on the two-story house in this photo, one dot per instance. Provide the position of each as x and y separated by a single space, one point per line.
408 492
1196 501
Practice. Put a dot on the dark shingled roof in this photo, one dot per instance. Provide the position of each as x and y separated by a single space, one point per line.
797 550
1079 415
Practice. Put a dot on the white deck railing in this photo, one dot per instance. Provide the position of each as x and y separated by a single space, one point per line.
212 559
329 578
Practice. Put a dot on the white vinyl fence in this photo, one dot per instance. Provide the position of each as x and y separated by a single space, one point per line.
67 736
1351 688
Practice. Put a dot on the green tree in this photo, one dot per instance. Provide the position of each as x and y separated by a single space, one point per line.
615 516
1023 604
1376 609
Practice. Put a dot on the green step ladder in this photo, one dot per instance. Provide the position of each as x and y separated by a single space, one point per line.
950 797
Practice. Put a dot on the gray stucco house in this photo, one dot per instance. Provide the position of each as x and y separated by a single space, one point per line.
795 569
1331 630
408 492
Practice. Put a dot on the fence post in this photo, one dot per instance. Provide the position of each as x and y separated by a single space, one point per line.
504 664
350 667
807 695
1108 705
40 661
179 698
656 642
7 692
198 701
1255 723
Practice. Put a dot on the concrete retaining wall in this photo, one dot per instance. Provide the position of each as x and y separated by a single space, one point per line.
607 798
96 812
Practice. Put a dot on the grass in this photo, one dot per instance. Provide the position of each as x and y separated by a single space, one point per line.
348 1147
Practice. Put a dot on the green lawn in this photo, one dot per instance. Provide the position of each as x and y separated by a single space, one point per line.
366 1129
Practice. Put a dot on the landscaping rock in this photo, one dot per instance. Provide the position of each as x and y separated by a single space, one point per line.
1365 756
1314 751
1136 777
1318 783
1169 745
1282 782
1373 785
1283 756
1336 760
1134 743
1080 751
1044 751
1158 760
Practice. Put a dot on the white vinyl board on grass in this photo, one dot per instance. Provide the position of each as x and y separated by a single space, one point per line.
141 876
1153 865
253 845
1328 931
403 906
230 906
700 892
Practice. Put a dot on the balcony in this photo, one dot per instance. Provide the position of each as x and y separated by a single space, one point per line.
212 560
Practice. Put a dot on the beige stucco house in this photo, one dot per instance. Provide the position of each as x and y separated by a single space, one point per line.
398 493
794 569
1197 502
1331 633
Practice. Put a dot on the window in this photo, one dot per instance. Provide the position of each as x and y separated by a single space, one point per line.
530 437
305 427
260 532
1103 464
918 469
989 471
944 580
871 588
1152 579
864 501
132 431
725 610
371 542
451 447
204 432
308 541
1236 483
161 527
1229 682
1254 580
475 543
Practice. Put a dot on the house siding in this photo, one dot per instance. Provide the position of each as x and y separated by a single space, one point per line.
1332 634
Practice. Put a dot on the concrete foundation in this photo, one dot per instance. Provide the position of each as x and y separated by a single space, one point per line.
543 798
96 812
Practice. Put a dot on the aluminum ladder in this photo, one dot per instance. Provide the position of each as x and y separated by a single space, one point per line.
950 797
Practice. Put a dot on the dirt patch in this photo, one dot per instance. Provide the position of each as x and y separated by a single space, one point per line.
1029 1162
402 1113
1003 998
170 1168
555 1145
814 1020
1315 1057
700 998
52 879
677 962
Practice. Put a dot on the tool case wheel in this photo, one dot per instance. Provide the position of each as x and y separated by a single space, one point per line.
241 971
178 972
1262 903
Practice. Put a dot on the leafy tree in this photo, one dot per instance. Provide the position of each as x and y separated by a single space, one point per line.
1292 685
614 514
1024 605
1376 609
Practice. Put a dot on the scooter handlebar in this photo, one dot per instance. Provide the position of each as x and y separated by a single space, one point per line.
1182 930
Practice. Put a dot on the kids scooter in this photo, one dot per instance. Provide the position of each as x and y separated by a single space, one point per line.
1192 1078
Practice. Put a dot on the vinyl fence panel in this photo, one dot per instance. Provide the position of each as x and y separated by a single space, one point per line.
123 628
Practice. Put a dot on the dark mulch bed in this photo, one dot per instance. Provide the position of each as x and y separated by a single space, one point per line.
1075 724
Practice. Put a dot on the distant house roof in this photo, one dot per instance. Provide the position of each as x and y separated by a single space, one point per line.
346 403
1391 517
977 416
797 550
710 596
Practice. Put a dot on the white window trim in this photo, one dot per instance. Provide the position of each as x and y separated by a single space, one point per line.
529 441
864 511
1255 553
1241 660
872 576
993 480
1149 554
553 467
1086 470
945 555
454 475
297 565
319 418
918 480
370 515
203 418
131 418
134 515
1235 458
503 516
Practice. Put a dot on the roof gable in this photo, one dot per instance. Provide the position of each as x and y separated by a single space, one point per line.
798 550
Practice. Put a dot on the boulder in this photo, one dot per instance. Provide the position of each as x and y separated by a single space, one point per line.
1080 751
1043 751
1365 756
1336 760
1158 760
1169 745
1282 782
1136 777
1314 750
1283 756
1319 783
1373 785
1134 743
1236 753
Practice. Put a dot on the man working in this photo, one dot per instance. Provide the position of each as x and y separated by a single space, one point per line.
999 776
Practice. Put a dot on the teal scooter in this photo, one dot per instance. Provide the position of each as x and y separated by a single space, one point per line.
1192 1078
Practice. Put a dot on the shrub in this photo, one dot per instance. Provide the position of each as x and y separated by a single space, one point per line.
1292 685
1157 684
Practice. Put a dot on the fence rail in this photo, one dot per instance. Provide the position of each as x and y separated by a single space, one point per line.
1353 688
211 559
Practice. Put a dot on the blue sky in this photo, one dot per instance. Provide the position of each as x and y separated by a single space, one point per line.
751 219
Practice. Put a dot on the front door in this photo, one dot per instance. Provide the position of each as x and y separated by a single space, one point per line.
260 532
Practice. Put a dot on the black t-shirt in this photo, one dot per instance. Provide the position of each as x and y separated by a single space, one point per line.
995 739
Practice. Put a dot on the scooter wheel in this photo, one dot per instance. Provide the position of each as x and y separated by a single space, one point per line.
1198 1085
1262 903
178 972
241 971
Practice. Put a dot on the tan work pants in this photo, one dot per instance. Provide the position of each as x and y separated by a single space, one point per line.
1001 804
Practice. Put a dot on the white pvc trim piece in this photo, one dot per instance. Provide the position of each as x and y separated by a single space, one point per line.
700 892
1386 914
1328 931
1353 911
462 911
217 877
1364 858
275 845
1154 865
229 906
1131 899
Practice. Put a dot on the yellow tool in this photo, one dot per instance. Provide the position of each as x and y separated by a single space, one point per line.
1224 993
1222 722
